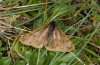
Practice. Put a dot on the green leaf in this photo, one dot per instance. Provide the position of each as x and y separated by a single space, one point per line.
9 1
20 62
2 49
97 16
61 10
0 43
5 61
66 58
63 64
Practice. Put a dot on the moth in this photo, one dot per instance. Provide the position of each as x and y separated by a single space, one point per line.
49 36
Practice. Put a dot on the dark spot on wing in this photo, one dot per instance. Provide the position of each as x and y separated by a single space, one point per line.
40 32
55 39
36 41
43 37
69 47
23 39
62 48
34 35
63 41
56 44
67 40
30 42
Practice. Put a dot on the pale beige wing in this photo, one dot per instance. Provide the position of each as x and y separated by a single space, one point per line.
36 38
58 41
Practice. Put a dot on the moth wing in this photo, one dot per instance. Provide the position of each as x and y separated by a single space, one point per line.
36 38
59 42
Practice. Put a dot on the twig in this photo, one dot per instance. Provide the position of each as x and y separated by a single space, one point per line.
6 9
94 45
46 7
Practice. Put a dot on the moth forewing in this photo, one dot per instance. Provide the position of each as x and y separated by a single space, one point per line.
65 41
60 43
35 38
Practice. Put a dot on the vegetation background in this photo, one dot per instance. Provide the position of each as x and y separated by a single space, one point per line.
79 19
